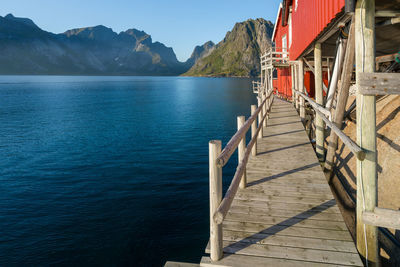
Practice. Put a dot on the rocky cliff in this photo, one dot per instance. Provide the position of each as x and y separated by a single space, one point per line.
239 53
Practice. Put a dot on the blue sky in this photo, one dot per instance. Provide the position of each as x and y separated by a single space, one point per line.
180 24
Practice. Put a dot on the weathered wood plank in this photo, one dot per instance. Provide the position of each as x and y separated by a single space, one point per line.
303 254
302 222
285 230
383 218
180 264
243 260
379 83
290 241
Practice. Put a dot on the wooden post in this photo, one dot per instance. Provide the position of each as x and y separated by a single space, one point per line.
293 83
214 147
301 89
296 85
262 77
253 131
260 117
264 108
366 131
343 94
241 149
319 123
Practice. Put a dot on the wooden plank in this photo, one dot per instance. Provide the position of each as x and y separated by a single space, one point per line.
279 205
383 218
301 222
379 83
303 254
243 260
285 230
180 264
312 214
289 241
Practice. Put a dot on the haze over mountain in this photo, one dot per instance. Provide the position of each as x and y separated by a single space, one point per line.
98 50
239 53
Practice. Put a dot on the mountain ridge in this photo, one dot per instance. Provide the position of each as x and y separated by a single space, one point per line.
98 50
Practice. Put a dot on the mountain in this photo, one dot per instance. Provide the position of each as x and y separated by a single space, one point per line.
239 53
27 49
200 51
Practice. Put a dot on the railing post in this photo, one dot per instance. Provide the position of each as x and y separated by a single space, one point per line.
301 89
260 116
241 150
215 199
264 108
319 97
293 84
296 85
367 241
254 130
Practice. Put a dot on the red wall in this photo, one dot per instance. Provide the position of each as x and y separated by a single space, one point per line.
284 81
309 19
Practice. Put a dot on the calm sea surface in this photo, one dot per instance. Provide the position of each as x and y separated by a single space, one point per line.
110 171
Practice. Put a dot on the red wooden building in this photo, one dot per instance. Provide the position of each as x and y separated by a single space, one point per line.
298 25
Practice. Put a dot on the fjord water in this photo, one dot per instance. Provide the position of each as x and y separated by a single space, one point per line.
110 171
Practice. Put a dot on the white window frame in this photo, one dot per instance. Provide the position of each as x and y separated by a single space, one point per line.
284 45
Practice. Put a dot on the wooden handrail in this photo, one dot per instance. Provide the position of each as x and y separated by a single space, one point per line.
383 218
360 154
235 140
226 202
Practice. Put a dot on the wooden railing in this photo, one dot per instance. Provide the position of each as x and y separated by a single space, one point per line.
274 56
217 159
257 87
357 151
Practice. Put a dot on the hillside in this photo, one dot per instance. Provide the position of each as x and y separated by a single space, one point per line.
239 53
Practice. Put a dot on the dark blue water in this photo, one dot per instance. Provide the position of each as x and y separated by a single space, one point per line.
110 171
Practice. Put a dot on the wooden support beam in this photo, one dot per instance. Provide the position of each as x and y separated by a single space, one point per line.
379 83
241 149
215 199
301 89
342 97
253 131
367 235
313 71
293 85
383 218
260 116
387 13
319 123
296 85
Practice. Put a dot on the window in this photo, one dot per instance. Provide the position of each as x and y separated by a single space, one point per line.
284 45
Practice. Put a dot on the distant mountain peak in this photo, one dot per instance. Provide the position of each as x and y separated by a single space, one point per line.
98 33
26 21
200 51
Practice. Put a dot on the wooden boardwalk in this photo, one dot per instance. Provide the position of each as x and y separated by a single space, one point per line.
286 216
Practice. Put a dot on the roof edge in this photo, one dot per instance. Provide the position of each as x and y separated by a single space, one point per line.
276 21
